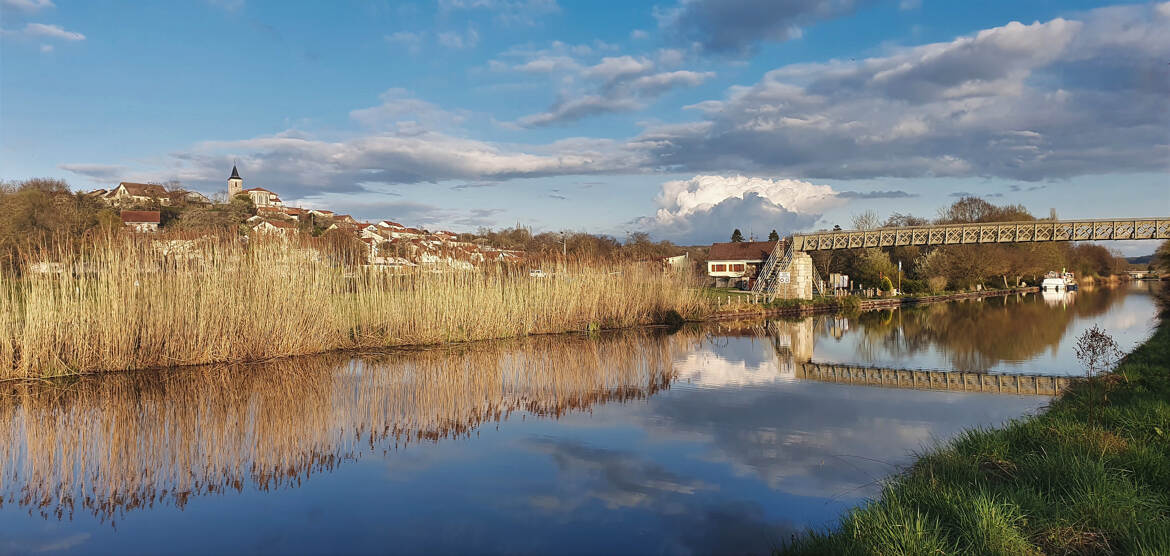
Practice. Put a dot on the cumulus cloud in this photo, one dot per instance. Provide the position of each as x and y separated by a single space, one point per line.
706 208
735 27
1029 102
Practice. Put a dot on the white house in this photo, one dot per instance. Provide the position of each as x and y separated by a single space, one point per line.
275 227
737 263
144 221
129 192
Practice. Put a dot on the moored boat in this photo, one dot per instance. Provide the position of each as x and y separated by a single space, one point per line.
1059 281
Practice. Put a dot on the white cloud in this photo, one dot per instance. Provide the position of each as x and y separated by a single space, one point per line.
42 30
706 208
622 83
660 82
400 111
548 64
579 107
27 6
411 41
639 34
1039 101
457 41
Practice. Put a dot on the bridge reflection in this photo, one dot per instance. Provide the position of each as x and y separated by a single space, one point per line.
920 379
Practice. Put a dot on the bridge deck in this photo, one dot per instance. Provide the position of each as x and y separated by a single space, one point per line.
989 232
1040 385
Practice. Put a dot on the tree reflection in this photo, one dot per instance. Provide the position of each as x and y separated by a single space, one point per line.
977 335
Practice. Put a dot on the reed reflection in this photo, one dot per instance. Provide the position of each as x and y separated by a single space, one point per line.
111 444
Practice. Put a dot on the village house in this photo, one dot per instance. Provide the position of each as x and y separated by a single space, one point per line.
275 227
736 264
321 213
133 193
144 221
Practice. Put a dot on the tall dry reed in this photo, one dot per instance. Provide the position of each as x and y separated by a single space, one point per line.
137 303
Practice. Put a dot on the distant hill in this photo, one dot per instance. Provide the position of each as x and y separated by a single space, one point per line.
1144 259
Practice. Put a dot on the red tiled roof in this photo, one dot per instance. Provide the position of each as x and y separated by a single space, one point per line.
741 251
144 189
259 189
140 217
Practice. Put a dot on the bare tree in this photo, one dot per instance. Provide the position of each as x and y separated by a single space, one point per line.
867 220
1098 352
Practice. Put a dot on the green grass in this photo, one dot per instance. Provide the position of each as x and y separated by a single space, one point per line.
1068 481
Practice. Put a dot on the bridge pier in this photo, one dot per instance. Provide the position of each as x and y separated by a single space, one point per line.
799 284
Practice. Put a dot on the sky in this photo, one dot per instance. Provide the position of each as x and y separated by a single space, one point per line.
681 118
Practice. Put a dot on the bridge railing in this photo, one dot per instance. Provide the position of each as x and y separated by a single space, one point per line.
988 232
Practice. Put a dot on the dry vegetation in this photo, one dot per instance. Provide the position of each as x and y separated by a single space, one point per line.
128 303
118 442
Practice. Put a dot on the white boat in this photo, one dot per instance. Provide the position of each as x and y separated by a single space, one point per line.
1059 281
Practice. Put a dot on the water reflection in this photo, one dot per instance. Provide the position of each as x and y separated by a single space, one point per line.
1029 333
128 441
697 442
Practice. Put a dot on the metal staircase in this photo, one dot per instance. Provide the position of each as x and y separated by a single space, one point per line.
778 261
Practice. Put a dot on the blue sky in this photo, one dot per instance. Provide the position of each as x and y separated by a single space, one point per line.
684 119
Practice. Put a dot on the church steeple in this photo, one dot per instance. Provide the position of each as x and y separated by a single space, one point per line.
235 183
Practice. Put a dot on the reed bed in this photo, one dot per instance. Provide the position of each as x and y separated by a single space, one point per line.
135 303
115 442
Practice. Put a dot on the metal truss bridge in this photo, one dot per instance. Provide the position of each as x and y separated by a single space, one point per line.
777 269
989 232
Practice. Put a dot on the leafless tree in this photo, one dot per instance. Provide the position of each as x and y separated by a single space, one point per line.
1098 352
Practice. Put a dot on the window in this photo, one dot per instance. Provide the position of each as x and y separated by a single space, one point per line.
737 268
719 268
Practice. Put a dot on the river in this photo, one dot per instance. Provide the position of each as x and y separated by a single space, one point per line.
699 440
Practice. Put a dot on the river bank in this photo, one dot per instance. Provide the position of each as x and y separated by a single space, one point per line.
1090 475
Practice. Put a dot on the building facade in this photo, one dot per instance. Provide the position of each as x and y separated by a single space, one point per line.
736 264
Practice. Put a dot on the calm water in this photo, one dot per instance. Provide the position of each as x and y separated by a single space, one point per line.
640 442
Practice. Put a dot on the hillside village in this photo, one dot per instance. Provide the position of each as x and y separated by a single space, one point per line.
387 243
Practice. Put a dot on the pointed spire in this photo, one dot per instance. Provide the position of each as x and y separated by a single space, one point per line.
235 174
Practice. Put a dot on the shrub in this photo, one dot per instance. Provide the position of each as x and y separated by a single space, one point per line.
914 286
936 284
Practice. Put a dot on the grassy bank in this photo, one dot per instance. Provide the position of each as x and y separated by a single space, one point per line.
1091 475
134 304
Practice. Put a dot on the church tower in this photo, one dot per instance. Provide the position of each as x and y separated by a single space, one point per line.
235 184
